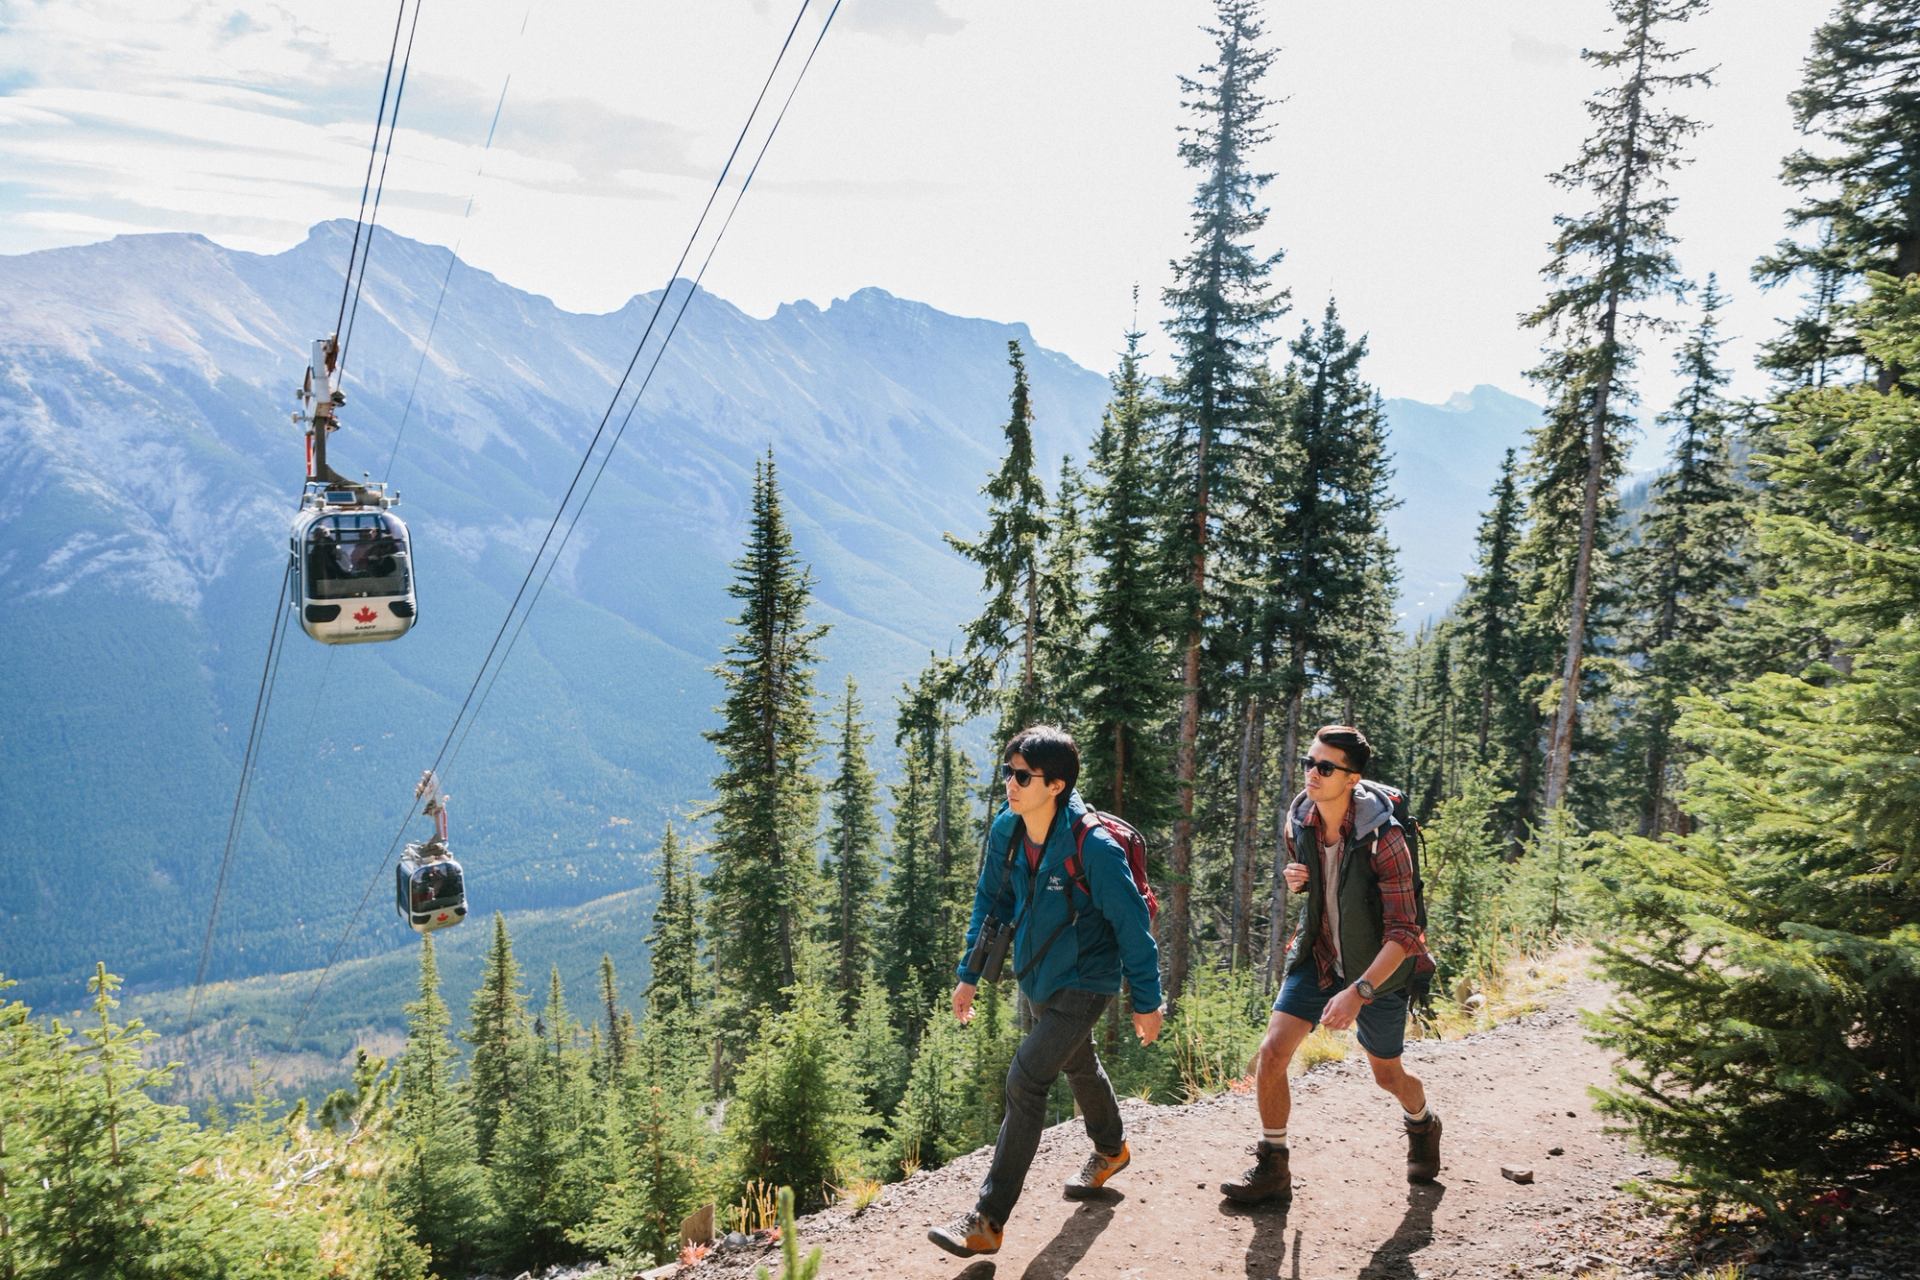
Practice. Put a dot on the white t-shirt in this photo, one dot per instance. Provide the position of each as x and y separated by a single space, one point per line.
1330 890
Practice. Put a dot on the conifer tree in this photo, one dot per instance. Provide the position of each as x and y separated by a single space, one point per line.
499 1026
619 1052
1768 962
673 944
1608 260
1002 648
793 1120
1489 627
1221 305
935 1123
916 966
1685 572
877 1046
439 1189
1862 187
538 1179
1123 756
853 836
1064 623
1310 529
766 810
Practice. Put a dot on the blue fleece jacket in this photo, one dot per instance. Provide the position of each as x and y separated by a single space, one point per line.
1112 934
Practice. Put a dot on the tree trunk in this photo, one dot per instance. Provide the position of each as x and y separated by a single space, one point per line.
1277 918
1246 826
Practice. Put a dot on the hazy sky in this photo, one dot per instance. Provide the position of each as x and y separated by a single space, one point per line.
1013 159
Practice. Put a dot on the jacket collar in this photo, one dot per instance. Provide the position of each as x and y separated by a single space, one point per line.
1367 812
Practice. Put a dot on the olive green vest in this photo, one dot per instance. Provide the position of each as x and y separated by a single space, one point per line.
1362 917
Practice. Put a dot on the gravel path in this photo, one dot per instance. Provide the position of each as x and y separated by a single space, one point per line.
1513 1096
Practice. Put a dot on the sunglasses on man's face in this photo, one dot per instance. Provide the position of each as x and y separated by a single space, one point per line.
1325 768
1022 776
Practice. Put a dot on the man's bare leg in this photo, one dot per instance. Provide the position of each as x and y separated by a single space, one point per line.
1390 1075
1284 1036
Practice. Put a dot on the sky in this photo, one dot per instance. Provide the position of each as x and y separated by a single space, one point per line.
1011 159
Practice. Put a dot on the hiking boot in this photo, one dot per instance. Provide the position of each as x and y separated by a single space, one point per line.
1423 1149
966 1235
1269 1179
1094 1173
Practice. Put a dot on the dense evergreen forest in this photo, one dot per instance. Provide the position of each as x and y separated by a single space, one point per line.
1683 729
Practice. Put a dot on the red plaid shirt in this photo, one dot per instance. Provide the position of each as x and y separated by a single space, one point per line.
1393 868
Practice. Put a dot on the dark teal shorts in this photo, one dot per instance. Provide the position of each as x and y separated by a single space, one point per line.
1382 1024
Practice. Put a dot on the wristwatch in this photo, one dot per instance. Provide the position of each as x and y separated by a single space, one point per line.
1366 990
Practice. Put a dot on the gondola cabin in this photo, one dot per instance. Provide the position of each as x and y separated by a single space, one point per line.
354 567
430 890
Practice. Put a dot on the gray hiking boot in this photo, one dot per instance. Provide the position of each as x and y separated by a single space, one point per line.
1094 1174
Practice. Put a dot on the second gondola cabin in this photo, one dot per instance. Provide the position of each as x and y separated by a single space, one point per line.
430 890
353 565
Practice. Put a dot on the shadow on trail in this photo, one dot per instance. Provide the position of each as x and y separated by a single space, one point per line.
1267 1251
1074 1238
1393 1260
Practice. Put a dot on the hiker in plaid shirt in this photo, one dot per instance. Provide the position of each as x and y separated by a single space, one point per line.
1358 947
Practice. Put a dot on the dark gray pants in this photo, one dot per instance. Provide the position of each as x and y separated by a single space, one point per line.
1061 1040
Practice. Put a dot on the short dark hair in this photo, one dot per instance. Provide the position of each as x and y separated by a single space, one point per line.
1049 749
1349 741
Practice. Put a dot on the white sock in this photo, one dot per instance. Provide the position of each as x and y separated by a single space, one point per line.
1274 1137
1425 1113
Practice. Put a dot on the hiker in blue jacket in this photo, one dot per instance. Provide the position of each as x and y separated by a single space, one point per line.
1074 936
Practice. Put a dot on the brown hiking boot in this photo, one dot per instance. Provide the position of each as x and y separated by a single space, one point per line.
1269 1179
966 1235
1094 1174
1423 1149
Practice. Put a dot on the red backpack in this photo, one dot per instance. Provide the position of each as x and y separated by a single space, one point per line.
1129 840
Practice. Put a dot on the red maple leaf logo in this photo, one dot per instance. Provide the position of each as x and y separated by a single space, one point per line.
366 614
441 916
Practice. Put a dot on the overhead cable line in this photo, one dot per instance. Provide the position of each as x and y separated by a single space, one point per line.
270 668
453 258
686 300
249 761
566 498
393 127
373 153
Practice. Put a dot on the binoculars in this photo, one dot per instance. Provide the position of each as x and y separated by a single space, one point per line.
989 952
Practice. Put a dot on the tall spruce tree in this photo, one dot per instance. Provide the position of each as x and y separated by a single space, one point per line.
1862 187
497 1034
1221 304
439 1188
853 837
1064 624
1312 522
916 964
673 944
1123 755
1685 573
1608 261
542 1177
1001 664
1768 962
766 806
1490 623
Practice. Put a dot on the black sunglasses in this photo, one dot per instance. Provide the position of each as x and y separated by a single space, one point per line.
1021 776
1325 768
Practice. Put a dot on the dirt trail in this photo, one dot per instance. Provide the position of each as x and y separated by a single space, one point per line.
1510 1096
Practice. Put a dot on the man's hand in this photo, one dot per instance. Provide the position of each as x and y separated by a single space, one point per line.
1147 1025
1295 874
1342 1010
963 1001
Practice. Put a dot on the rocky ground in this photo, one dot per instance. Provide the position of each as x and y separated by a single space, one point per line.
1513 1098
